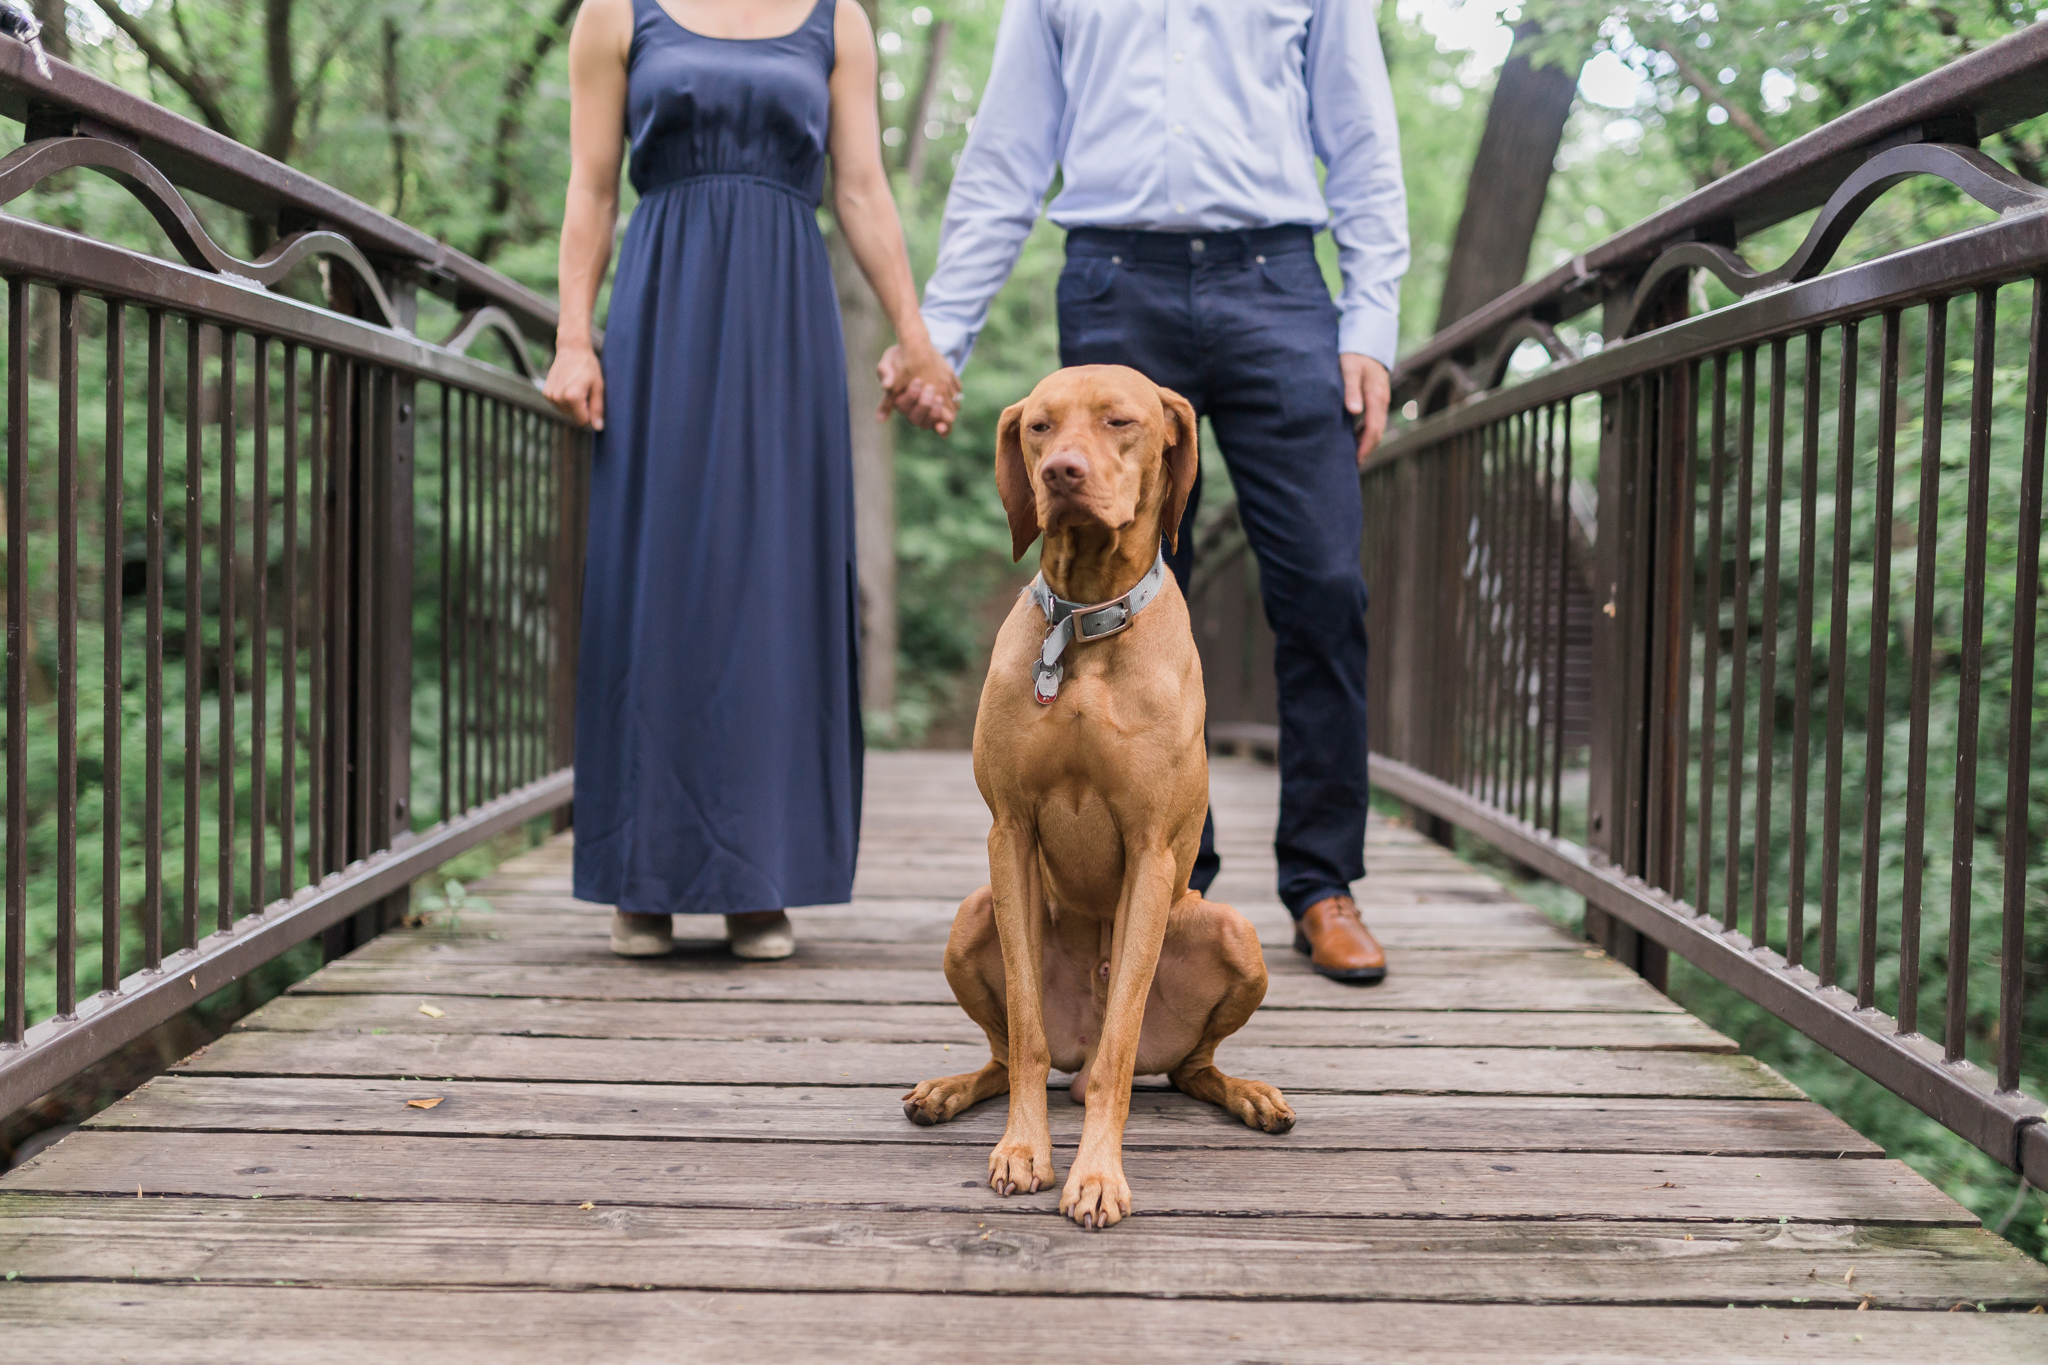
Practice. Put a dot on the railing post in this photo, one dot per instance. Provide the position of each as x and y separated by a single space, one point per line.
371 712
565 590
1637 626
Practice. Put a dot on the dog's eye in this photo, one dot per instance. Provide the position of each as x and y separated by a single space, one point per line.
1121 422
1041 427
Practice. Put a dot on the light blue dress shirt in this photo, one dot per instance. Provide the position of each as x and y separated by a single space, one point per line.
1181 116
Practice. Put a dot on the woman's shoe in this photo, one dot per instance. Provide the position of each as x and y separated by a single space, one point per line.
761 936
642 935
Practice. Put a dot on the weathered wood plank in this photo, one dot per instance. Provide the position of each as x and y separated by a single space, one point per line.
947 1024
568 928
353 1245
1437 1070
1159 1118
709 955
1474 918
187 1325
1500 984
1249 1180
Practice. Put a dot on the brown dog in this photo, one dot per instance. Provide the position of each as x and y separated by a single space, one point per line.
1087 951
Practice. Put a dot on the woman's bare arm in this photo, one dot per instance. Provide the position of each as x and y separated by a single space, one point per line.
867 210
597 131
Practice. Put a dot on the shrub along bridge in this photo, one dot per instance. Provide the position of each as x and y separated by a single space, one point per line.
314 578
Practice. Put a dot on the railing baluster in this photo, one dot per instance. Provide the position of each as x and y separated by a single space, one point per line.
1685 564
2020 716
67 652
1880 654
193 643
319 855
1802 650
288 701
465 588
259 626
14 1009
344 706
1710 622
1551 610
1738 692
1564 508
1838 657
1767 652
1466 453
444 741
225 912
367 620
111 535
153 657
1976 518
1516 612
1925 554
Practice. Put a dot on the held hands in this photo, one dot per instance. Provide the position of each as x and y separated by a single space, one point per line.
576 385
917 382
1367 391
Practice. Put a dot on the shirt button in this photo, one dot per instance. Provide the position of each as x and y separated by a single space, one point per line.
1180 208
1178 129
1180 56
1195 245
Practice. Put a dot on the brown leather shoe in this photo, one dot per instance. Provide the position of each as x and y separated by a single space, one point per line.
1338 943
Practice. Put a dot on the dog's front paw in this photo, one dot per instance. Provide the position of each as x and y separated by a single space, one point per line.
1096 1196
1014 1168
941 1099
1260 1106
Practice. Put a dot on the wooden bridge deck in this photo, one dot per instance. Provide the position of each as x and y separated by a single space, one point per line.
492 1141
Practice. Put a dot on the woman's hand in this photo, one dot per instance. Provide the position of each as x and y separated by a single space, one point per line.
576 386
917 382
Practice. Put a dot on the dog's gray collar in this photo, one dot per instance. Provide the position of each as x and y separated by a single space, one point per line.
1067 622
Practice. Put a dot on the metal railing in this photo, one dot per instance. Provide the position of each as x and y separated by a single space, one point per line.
1777 704
291 592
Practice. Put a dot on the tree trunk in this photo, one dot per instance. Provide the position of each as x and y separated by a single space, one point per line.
874 468
915 143
1510 177
393 105
874 478
56 24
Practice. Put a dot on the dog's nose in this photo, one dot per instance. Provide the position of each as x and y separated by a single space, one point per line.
1063 471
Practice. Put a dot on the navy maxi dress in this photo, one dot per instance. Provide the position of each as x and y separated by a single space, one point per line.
718 741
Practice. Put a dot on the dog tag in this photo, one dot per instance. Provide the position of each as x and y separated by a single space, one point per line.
1045 683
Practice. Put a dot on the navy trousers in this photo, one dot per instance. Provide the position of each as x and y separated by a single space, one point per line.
1242 325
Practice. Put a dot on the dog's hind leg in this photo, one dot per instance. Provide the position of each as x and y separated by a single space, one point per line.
974 969
1239 975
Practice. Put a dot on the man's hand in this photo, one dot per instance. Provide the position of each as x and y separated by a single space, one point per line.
918 383
576 386
1367 390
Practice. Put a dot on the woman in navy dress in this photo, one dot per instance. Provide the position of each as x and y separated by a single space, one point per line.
718 738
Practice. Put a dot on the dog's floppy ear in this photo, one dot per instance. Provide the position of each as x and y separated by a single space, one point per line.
1183 459
1013 481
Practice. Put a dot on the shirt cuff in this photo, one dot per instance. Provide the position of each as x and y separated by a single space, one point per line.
1371 332
951 340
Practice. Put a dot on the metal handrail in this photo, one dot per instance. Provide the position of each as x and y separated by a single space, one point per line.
303 515
1963 103
1746 771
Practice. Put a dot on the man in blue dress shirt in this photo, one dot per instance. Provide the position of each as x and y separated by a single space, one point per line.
1187 134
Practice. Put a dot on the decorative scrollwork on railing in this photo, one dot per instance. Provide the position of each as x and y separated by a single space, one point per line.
1521 330
491 318
37 161
1447 384
1969 170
